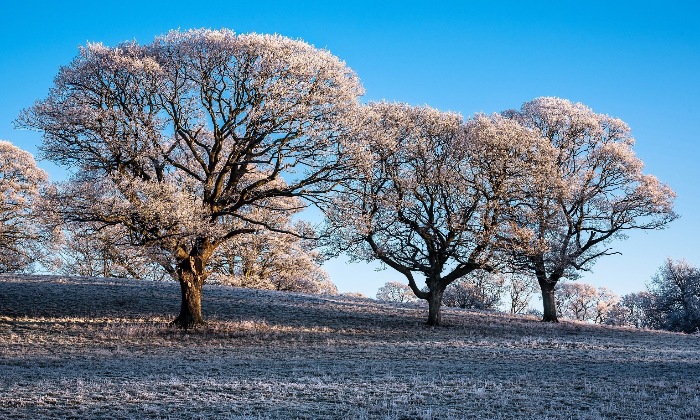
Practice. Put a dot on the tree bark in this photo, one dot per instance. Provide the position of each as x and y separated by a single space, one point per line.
191 275
548 302
191 284
434 304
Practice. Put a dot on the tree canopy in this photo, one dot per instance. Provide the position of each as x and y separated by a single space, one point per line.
178 139
595 193
206 140
21 184
434 195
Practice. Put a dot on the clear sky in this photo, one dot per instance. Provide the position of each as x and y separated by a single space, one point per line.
637 60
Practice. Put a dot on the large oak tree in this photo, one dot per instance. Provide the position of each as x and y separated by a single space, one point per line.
435 196
176 140
596 193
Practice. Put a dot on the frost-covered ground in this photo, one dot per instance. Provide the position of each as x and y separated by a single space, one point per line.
102 348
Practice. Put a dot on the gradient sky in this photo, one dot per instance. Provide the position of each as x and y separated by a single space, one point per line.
639 61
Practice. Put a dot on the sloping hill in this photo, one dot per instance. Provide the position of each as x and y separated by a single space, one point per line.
102 348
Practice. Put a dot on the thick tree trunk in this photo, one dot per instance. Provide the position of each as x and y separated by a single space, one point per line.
191 275
548 302
191 307
434 304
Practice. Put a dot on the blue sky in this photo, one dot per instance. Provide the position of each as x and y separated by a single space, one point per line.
639 61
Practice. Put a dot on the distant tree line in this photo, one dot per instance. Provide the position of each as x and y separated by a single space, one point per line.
478 290
189 157
671 301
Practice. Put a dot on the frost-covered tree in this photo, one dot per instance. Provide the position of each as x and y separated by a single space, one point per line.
263 259
93 250
272 261
596 194
393 291
583 302
356 295
479 289
178 139
21 233
575 300
634 310
606 301
676 302
520 289
672 301
269 259
433 195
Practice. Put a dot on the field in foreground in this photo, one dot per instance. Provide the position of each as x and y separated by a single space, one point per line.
102 348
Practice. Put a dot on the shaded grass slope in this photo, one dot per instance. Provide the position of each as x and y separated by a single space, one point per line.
102 348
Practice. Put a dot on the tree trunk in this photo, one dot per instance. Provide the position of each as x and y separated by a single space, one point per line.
191 275
548 302
434 303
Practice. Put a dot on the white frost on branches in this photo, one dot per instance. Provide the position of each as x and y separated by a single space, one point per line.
394 291
435 195
595 194
178 139
21 184
173 137
585 302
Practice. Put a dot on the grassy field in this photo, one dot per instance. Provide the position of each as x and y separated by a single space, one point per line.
102 348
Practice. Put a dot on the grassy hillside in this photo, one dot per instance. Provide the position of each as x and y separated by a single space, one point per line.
102 348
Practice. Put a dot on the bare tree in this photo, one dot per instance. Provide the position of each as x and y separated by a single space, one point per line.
433 195
479 289
575 300
272 261
606 301
583 302
177 139
634 310
672 301
269 259
357 295
21 232
596 194
676 297
94 250
520 289
394 291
